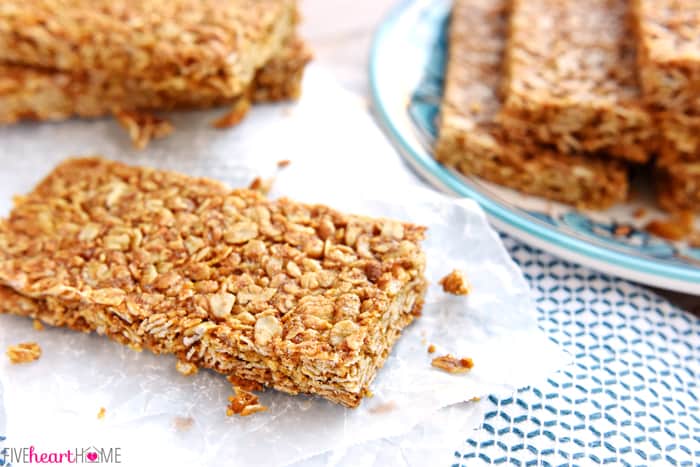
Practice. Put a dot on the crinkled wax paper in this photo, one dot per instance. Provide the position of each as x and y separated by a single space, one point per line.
338 157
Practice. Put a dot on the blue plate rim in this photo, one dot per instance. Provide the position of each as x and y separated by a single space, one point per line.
515 220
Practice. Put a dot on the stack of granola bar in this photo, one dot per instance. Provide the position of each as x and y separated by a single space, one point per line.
88 58
559 98
297 297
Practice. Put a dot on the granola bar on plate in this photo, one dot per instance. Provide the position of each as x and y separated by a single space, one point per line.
472 141
669 66
571 78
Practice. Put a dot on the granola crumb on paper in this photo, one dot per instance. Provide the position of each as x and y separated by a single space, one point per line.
243 403
431 348
101 414
183 423
455 283
24 353
38 325
283 163
261 185
384 408
234 116
185 368
452 364
143 127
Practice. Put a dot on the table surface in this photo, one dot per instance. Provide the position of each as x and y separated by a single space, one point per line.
340 33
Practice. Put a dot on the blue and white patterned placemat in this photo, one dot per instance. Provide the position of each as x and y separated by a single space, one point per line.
631 396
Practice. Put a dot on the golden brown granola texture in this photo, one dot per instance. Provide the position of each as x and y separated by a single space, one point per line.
297 297
571 78
678 186
243 403
669 57
166 45
143 126
23 353
235 115
471 140
669 68
28 93
678 226
451 364
455 283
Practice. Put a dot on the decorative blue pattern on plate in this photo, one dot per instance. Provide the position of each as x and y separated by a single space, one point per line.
631 396
407 73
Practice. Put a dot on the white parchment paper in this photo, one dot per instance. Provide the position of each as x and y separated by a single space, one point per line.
338 157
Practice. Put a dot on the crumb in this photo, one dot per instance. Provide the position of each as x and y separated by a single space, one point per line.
243 403
475 399
24 353
283 163
475 107
383 408
686 219
431 348
186 368
261 185
38 325
101 414
455 283
234 116
639 213
622 230
143 127
679 226
451 364
694 239
245 384
183 423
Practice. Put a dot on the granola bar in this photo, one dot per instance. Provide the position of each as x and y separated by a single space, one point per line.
669 67
28 93
167 46
677 176
470 139
678 186
571 78
297 297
